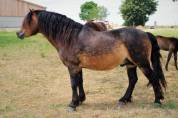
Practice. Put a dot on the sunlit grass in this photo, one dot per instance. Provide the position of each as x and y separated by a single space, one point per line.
34 83
170 32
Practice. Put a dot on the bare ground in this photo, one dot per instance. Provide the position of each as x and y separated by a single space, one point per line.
35 84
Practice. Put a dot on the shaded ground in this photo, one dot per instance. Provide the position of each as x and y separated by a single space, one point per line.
34 84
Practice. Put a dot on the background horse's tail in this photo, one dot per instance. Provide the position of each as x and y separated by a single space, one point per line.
155 59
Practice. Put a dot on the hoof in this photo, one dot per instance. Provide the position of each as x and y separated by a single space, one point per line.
125 100
82 99
74 104
121 104
157 105
157 102
80 103
71 109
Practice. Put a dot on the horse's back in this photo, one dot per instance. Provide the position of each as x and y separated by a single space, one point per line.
167 43
128 34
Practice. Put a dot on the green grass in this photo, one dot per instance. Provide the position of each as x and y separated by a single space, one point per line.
6 109
34 83
35 44
170 32
168 105
9 39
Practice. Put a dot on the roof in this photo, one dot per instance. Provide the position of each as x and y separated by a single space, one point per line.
29 2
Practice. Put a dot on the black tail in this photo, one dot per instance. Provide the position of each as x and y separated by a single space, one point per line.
155 59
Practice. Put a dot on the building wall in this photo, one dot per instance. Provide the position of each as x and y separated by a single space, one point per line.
10 21
12 12
16 7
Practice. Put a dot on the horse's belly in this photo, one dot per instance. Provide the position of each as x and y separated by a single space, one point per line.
163 45
103 61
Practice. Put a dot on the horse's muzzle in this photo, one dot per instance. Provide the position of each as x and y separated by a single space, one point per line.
20 35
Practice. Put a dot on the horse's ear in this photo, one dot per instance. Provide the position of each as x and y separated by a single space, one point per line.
31 10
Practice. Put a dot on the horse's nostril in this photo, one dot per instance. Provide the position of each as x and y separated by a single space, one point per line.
20 35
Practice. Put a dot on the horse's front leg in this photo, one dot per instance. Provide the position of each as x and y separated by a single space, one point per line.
81 89
76 77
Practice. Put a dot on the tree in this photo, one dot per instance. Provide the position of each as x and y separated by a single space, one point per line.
103 12
91 11
137 12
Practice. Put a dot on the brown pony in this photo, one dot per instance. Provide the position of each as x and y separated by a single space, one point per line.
98 26
169 44
80 46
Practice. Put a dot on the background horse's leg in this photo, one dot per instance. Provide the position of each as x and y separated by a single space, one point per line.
75 79
81 89
168 59
175 59
148 72
132 76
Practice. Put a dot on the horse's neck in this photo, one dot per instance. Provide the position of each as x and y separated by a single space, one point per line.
59 30
61 42
53 42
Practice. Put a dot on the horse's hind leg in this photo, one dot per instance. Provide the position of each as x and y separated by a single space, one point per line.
148 72
168 59
175 59
132 76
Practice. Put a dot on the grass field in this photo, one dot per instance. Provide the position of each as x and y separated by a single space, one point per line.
35 84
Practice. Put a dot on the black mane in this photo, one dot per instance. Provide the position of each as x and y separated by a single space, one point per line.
57 26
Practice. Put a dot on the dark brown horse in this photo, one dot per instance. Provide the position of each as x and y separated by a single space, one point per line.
80 46
169 44
98 26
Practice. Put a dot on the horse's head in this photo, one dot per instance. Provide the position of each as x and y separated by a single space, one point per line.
30 25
